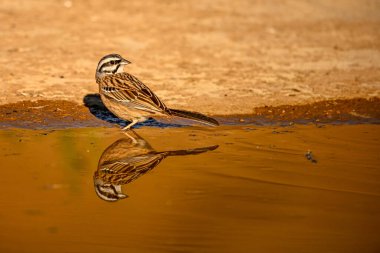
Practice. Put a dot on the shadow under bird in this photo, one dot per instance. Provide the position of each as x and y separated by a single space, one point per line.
129 99
128 159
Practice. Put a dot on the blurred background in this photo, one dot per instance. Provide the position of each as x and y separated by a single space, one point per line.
220 56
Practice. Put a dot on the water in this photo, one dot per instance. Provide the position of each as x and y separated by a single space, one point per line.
226 189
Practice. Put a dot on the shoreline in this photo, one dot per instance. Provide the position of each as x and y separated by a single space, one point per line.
66 114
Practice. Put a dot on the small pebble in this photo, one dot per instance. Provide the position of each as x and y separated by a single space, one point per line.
309 156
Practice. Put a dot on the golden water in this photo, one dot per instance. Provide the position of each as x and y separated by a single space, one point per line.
256 192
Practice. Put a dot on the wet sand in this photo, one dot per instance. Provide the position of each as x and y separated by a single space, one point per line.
257 192
56 114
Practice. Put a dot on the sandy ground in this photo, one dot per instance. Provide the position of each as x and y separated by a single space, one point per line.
216 57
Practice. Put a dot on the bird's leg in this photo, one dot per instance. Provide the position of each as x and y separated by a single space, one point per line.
134 121
134 141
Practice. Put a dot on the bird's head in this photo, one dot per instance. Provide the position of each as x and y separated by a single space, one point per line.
111 64
107 191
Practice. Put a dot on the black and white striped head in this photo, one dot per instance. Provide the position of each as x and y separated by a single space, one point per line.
108 192
111 64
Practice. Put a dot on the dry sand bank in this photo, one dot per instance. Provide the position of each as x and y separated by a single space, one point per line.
217 57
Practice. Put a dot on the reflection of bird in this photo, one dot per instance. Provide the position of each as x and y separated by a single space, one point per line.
130 99
126 160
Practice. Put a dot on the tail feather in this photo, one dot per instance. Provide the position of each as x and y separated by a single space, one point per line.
194 151
194 116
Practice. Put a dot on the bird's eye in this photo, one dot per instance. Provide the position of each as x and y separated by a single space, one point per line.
112 62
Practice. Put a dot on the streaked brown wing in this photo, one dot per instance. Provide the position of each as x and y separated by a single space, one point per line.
124 87
124 172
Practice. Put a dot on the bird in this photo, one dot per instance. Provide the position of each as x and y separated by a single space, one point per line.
130 99
126 160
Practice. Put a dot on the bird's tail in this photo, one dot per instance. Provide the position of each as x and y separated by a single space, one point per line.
194 151
194 116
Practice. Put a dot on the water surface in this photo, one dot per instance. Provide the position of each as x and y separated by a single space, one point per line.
227 189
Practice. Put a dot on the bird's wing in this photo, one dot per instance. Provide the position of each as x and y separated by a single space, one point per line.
125 171
126 88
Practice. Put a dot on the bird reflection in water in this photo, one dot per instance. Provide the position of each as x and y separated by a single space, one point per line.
128 159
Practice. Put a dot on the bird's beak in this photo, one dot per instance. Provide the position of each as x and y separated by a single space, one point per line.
125 62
